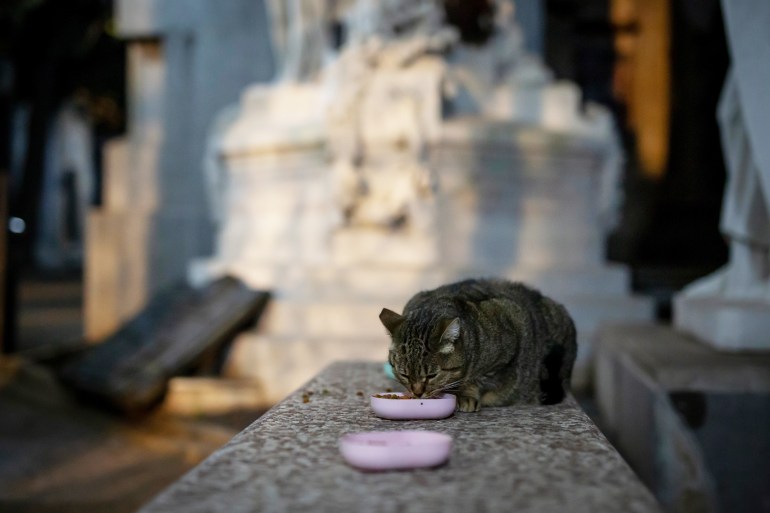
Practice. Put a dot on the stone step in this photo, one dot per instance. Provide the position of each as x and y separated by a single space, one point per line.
286 350
538 242
591 311
198 396
279 365
351 316
590 314
398 284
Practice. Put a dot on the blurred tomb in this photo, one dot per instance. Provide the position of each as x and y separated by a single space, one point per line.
406 157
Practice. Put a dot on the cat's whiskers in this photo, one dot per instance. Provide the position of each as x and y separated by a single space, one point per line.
445 388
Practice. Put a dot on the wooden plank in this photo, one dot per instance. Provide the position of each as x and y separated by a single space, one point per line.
179 331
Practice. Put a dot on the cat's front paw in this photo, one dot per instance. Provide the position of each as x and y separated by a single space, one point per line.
468 404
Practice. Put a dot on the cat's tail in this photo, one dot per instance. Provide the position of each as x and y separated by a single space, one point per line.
556 369
552 386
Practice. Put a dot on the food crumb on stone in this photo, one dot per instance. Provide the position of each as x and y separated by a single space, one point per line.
305 398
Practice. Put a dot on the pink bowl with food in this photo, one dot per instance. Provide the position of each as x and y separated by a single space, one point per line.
398 406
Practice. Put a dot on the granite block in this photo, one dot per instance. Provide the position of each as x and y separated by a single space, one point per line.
533 458
691 420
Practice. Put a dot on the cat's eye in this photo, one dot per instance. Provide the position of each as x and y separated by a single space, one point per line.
431 376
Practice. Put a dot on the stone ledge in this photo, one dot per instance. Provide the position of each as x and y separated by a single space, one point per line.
543 459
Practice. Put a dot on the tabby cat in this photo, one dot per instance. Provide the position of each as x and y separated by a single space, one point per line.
490 342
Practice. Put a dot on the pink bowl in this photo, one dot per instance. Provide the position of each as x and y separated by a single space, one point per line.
389 450
403 409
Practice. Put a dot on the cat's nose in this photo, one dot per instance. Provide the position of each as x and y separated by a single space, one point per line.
418 389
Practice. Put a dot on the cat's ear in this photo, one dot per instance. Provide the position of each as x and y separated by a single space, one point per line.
450 336
391 320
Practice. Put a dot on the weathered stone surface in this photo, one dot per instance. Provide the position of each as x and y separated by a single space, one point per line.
541 459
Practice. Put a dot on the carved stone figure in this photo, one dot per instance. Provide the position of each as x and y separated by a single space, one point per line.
387 97
731 308
745 215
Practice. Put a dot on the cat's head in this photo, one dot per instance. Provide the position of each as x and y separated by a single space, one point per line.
425 352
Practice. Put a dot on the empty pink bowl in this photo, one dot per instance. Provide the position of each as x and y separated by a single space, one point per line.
390 450
404 409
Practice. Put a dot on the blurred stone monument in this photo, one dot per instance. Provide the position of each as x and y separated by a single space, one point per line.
408 159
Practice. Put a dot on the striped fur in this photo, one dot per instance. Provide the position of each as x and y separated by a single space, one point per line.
490 342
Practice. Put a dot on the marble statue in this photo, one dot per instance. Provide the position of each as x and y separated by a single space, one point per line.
731 308
745 216
387 91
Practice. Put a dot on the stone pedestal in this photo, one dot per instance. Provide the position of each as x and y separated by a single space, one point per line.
692 421
726 324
